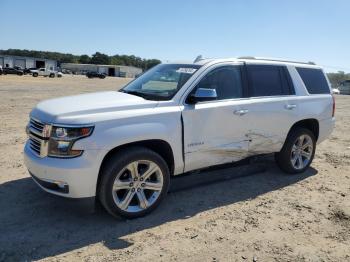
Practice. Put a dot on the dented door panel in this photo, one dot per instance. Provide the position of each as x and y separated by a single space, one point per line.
214 134
270 120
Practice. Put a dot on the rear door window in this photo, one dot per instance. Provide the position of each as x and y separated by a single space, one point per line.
269 80
314 80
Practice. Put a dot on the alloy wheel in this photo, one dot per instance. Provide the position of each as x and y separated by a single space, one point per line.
137 186
301 151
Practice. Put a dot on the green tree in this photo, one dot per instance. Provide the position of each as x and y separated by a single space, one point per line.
150 63
97 58
84 59
100 59
337 78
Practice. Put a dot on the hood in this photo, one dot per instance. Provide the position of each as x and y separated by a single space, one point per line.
79 108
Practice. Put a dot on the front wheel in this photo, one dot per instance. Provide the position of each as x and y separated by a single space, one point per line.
133 182
35 74
297 152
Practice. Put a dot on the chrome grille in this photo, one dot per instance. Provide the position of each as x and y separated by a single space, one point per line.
36 126
35 144
38 137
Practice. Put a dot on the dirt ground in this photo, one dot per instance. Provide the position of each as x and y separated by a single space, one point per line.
267 216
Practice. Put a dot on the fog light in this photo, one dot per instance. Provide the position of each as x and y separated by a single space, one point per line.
60 184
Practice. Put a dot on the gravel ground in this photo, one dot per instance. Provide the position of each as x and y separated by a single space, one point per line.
268 216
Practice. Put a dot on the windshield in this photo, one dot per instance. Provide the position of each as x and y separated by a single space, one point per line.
161 82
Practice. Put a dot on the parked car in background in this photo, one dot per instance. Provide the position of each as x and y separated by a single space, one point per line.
123 146
43 72
66 71
344 87
12 71
335 91
95 75
29 70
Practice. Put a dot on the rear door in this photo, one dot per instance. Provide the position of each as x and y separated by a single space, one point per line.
273 107
214 131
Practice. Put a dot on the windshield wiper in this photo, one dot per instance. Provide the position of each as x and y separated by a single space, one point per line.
142 94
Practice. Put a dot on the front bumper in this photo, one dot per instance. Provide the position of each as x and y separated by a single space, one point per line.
73 177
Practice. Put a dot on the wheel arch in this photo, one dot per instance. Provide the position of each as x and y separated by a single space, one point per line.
311 124
159 146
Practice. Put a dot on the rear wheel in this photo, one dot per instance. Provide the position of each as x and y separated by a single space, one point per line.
35 74
133 182
52 75
297 152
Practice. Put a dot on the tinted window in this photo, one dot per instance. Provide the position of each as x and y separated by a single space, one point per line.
314 80
226 80
266 80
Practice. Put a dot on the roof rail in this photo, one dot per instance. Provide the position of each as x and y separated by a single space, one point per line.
275 59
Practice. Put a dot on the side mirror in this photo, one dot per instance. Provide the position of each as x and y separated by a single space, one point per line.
203 94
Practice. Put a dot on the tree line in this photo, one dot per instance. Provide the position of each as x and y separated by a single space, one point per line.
128 60
97 58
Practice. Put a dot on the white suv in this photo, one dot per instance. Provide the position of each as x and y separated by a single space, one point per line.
123 146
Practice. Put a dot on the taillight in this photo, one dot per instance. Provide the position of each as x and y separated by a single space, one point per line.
333 111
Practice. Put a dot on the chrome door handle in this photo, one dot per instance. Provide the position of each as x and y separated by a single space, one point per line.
241 112
290 107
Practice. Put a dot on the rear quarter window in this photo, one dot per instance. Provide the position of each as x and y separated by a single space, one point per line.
314 80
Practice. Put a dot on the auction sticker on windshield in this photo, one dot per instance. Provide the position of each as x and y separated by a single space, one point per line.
186 70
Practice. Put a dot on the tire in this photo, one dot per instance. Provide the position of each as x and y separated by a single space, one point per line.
133 186
52 75
35 74
298 151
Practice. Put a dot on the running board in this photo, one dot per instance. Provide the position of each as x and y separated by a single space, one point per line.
214 175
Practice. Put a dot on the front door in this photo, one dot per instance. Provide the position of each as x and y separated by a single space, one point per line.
214 131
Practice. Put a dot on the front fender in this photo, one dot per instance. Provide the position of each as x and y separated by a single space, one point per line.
108 136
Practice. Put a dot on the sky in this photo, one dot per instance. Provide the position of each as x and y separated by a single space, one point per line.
302 30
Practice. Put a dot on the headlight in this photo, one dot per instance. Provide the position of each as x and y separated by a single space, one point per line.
62 140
